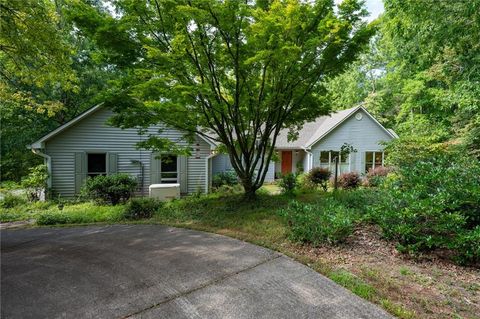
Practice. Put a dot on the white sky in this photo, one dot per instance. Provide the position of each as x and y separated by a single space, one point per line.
374 6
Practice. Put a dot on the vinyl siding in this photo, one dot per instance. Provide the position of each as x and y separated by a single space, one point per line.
364 135
92 134
221 163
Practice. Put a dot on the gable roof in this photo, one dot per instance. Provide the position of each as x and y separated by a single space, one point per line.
40 143
314 131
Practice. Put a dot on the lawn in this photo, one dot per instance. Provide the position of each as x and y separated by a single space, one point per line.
421 287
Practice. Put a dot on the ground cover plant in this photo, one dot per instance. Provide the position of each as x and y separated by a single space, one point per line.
348 248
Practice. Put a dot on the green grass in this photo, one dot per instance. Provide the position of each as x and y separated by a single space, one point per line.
229 214
353 283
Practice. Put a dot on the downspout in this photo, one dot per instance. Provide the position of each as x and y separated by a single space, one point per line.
207 172
310 159
47 159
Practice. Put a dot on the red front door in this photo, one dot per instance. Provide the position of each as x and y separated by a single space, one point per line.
286 162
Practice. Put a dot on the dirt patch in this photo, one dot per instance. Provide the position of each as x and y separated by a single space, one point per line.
427 286
18 224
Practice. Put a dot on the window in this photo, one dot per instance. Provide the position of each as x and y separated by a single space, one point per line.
169 171
374 159
327 160
96 164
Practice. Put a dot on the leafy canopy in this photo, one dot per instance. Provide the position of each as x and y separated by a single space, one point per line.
235 71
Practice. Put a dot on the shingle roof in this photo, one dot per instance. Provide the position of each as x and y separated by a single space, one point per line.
312 131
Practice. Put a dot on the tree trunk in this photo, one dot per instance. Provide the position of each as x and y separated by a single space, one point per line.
249 189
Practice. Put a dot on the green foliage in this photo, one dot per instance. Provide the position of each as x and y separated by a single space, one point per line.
431 199
349 180
36 182
112 189
80 214
47 77
214 66
140 208
288 183
319 177
353 283
467 247
224 178
375 177
330 222
10 200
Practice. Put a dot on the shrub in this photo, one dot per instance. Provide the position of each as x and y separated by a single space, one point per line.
349 180
467 247
316 224
51 218
376 176
430 203
225 178
11 200
319 176
80 214
288 183
35 182
139 208
112 189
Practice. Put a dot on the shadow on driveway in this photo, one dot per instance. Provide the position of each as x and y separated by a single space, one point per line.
149 271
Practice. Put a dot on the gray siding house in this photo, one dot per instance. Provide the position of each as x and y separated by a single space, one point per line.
87 146
320 140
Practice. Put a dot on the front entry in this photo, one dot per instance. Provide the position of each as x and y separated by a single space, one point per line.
286 162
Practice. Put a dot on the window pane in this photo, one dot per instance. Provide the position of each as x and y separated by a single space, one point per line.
368 157
169 163
97 163
344 159
378 159
324 157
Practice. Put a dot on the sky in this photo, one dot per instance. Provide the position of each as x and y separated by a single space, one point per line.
374 6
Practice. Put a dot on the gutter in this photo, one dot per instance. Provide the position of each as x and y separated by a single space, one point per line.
48 159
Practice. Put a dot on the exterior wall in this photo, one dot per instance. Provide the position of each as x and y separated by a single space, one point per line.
221 163
364 135
93 134
298 156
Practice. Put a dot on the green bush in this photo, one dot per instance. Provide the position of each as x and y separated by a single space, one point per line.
224 178
319 176
51 218
330 222
35 182
349 180
80 214
429 203
11 200
375 177
467 247
139 208
288 183
111 189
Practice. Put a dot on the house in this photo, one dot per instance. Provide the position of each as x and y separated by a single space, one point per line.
87 146
320 141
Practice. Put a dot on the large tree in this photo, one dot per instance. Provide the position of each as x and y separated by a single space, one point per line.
235 71
49 73
421 75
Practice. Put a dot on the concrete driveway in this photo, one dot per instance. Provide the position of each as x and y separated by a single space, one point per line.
148 271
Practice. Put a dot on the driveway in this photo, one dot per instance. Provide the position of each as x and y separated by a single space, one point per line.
148 271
